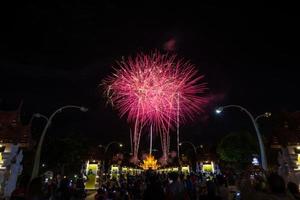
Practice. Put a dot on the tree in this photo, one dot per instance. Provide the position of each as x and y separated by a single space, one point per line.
65 155
237 148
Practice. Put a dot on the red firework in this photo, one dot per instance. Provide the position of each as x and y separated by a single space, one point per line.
156 90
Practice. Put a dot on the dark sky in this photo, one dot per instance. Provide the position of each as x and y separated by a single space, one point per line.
56 53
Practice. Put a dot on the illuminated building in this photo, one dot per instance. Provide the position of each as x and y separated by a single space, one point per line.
285 146
92 174
14 137
149 163
13 131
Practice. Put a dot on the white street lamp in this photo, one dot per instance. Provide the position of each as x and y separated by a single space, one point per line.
36 165
266 115
254 121
38 115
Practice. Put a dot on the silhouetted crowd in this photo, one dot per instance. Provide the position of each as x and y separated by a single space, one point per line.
170 186
54 189
173 186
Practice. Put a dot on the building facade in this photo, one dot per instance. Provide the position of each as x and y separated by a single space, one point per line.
14 137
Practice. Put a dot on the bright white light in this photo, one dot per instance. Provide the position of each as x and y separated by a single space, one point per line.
218 111
255 161
268 114
84 109
38 115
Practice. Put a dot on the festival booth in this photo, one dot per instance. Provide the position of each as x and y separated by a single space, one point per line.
92 175
185 169
114 172
131 171
207 167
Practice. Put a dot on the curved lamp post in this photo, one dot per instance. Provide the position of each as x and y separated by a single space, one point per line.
38 115
190 143
254 121
194 147
36 165
107 146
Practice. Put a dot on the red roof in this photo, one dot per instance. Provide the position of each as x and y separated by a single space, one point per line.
12 130
7 117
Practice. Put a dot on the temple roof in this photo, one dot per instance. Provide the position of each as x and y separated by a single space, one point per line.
7 117
11 128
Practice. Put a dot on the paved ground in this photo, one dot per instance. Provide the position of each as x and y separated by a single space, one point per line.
91 195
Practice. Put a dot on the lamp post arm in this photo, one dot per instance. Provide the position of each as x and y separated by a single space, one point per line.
236 106
37 115
195 149
108 145
61 109
260 141
36 165
259 116
105 150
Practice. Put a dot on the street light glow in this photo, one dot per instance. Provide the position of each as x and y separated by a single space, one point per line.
268 114
38 115
219 110
120 145
84 109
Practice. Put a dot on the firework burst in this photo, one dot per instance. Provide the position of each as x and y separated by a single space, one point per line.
155 90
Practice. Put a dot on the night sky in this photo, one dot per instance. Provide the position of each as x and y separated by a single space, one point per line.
53 54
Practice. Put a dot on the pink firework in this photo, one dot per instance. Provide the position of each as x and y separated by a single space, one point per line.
156 90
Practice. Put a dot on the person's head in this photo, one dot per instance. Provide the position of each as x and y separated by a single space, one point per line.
173 176
220 180
152 179
276 183
181 177
293 188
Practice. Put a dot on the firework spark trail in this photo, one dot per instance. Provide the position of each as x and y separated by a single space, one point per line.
147 89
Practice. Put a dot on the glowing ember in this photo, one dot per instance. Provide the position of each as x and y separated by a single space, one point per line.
155 90
150 163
